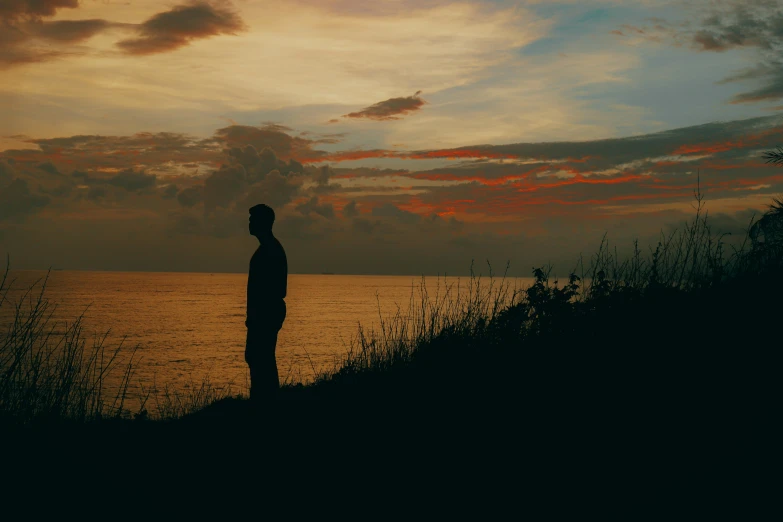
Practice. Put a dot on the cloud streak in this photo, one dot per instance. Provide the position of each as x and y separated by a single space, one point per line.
182 24
391 109
13 10
26 38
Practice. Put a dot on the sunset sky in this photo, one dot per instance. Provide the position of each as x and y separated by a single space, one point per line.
395 137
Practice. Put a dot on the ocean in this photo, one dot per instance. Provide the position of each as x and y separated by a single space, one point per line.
187 327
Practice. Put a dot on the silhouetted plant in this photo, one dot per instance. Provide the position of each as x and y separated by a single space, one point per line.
775 157
609 294
49 375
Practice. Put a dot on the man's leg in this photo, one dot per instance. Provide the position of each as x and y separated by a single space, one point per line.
260 358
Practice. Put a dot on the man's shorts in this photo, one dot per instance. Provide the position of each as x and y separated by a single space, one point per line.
262 334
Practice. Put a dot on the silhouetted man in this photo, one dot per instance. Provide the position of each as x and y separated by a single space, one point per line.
266 290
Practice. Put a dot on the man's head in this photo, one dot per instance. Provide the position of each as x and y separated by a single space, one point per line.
262 217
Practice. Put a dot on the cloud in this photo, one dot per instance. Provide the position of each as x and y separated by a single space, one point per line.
26 38
222 187
365 226
753 25
390 109
769 74
96 193
180 25
747 24
33 9
312 205
16 200
392 211
132 180
49 167
7 173
273 137
526 201
191 196
162 151
68 31
274 190
170 191
16 48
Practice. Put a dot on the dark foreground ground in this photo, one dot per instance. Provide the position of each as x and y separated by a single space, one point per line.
632 398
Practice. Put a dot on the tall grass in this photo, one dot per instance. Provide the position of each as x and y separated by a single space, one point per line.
486 326
169 403
455 308
49 370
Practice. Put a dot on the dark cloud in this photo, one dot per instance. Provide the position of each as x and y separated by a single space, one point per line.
191 196
274 190
768 74
17 47
321 176
49 167
169 192
96 193
295 167
58 191
747 24
350 210
67 31
259 164
312 205
7 173
267 162
33 9
26 38
392 211
273 137
389 109
16 200
180 25
222 187
365 226
132 180
247 156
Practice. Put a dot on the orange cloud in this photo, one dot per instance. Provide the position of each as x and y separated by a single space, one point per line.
471 153
457 154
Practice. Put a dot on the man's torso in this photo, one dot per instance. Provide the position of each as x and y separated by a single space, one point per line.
267 284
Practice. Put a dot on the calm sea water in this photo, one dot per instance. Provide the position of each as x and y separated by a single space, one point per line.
188 326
